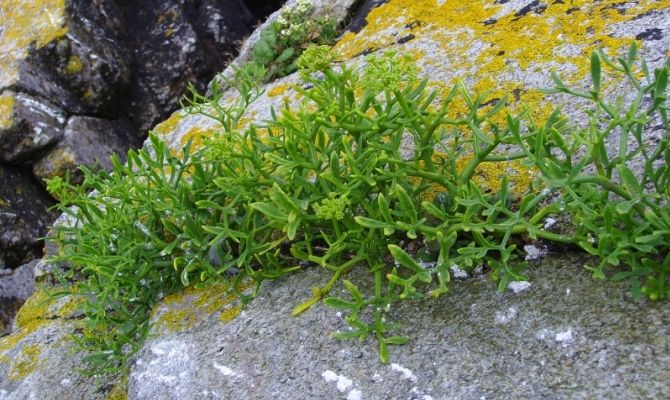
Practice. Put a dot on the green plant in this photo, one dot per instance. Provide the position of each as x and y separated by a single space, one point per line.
330 183
284 40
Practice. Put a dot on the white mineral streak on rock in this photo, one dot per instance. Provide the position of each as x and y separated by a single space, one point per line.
504 317
343 383
565 337
354 395
534 253
225 371
518 286
406 373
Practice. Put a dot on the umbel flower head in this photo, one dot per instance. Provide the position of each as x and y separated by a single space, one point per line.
389 71
315 58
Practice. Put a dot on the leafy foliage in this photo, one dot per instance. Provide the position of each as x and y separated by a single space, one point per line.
281 43
328 183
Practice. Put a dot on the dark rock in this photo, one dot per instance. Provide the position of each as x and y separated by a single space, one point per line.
87 141
85 70
29 125
23 216
174 43
15 288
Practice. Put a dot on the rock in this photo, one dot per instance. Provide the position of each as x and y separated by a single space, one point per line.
82 67
37 360
108 69
87 141
565 337
29 125
23 216
15 287
18 283
174 43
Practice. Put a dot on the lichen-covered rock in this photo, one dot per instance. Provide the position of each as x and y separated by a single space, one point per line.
23 216
86 141
563 337
37 360
77 63
29 125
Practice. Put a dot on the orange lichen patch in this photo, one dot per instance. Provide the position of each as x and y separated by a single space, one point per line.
169 125
6 110
246 120
26 23
479 41
279 89
185 309
25 363
73 66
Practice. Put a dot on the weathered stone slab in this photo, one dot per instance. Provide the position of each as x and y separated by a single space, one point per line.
86 141
30 125
23 216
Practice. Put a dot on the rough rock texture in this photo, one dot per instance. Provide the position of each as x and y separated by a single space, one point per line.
30 126
23 216
15 287
87 141
564 337
107 70
37 361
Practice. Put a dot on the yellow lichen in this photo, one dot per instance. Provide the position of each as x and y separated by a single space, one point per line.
478 41
196 135
169 125
230 314
6 110
87 96
73 66
120 390
279 89
488 175
26 23
25 363
187 308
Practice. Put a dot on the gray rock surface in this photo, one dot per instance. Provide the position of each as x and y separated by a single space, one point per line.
32 126
86 141
564 337
23 216
16 285
38 362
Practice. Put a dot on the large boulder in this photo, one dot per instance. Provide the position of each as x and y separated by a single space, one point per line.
563 337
